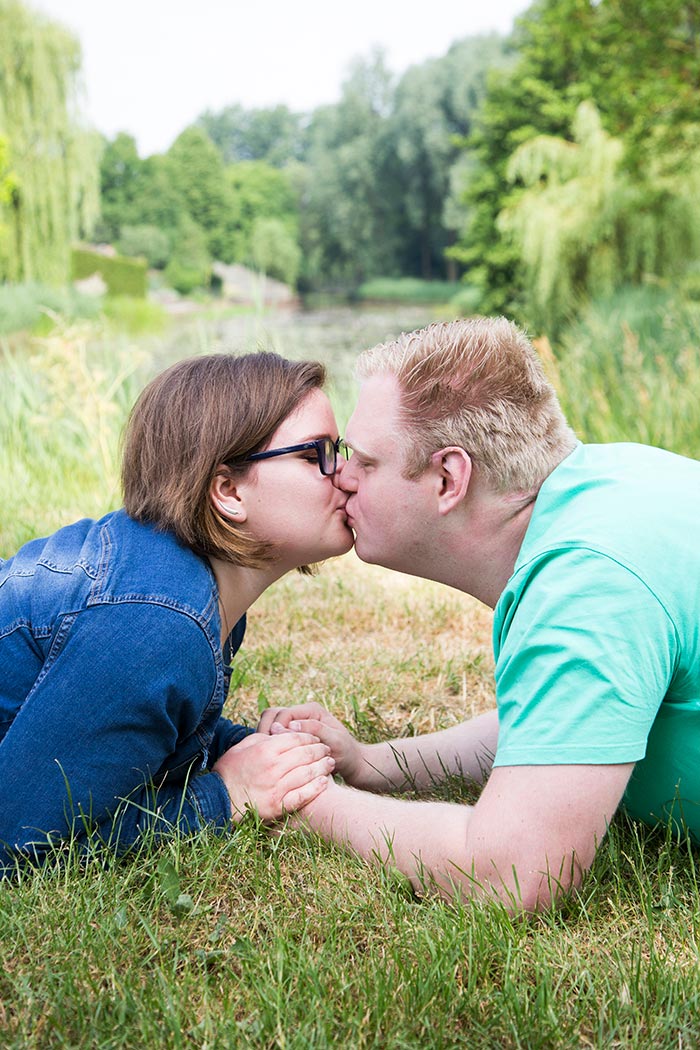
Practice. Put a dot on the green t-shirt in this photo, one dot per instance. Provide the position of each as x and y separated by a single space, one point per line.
597 633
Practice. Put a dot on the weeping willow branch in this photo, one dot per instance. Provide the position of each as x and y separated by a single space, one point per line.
55 159
584 226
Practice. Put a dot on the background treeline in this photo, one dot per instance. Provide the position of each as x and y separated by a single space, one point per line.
543 170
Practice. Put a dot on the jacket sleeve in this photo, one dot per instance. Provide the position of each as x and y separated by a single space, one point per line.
226 735
122 684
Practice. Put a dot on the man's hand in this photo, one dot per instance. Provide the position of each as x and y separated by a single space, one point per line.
274 775
312 718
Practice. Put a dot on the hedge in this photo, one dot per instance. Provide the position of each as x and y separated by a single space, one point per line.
121 275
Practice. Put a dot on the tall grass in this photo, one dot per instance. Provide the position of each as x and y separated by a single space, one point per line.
260 941
629 370
64 402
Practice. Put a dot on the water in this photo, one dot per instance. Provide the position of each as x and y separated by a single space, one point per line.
333 335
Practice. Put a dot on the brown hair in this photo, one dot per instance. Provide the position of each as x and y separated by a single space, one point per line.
195 416
477 384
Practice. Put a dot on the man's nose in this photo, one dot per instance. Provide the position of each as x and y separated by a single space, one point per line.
342 479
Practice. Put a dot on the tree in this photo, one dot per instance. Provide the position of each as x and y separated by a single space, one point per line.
350 218
197 171
275 135
273 251
55 160
584 226
121 169
8 189
637 60
259 191
433 110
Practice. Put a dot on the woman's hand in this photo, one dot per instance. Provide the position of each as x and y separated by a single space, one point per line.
274 775
314 719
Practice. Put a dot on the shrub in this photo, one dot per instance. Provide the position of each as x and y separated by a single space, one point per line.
121 275
146 241
24 306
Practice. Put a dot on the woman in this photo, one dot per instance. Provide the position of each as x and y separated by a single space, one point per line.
116 635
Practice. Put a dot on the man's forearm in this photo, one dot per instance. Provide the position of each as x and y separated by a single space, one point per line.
465 750
424 840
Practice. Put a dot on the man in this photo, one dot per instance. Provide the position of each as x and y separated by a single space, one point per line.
464 470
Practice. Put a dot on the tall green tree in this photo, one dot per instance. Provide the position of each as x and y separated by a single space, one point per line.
350 217
637 60
433 110
261 192
55 159
197 172
275 135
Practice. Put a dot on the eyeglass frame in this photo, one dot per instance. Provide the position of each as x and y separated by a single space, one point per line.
320 444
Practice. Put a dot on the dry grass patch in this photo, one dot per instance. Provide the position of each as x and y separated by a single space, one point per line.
389 654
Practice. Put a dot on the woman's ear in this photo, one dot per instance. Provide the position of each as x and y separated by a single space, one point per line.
225 497
454 467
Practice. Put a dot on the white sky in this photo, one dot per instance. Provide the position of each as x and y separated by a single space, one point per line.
150 67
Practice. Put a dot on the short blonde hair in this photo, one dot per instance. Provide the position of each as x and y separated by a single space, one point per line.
477 384
195 417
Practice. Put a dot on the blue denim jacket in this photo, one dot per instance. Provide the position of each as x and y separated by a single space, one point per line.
112 683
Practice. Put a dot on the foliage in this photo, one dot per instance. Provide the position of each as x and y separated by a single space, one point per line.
275 136
22 306
274 251
122 276
349 224
189 266
147 241
639 64
198 174
629 369
133 316
433 109
261 192
64 404
55 162
583 226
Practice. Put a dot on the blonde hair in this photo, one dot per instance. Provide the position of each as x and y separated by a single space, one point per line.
200 414
477 384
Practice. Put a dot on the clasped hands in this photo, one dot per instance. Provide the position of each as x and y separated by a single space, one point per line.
288 762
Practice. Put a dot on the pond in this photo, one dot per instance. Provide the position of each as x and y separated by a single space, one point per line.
334 335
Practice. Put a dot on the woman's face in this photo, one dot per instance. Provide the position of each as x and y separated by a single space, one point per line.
288 502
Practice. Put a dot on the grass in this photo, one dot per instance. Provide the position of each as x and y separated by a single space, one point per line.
407 290
260 941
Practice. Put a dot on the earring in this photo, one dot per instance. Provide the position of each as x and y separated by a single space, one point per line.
229 512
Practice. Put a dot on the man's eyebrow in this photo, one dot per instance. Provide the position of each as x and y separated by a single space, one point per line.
362 453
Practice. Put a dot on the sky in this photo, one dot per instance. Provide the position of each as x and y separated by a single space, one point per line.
151 67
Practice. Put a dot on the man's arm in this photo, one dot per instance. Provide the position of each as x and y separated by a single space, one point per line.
528 840
420 762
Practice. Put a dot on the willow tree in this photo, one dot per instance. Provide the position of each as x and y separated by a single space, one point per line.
55 159
583 224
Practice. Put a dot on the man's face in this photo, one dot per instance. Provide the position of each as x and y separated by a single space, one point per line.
389 514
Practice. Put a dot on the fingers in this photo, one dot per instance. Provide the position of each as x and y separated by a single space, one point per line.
301 796
284 715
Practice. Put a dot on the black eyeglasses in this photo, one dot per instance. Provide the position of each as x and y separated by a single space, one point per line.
327 452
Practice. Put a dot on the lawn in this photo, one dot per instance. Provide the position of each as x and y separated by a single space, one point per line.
261 940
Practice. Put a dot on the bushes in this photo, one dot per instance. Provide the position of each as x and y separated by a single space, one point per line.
24 305
122 276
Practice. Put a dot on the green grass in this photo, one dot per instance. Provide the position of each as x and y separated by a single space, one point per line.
260 941
407 290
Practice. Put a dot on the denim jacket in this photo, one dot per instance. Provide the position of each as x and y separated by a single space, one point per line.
112 683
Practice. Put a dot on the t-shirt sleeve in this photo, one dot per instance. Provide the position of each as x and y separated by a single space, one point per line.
584 656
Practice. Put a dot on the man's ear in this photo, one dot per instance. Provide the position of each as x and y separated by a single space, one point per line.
226 498
454 469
